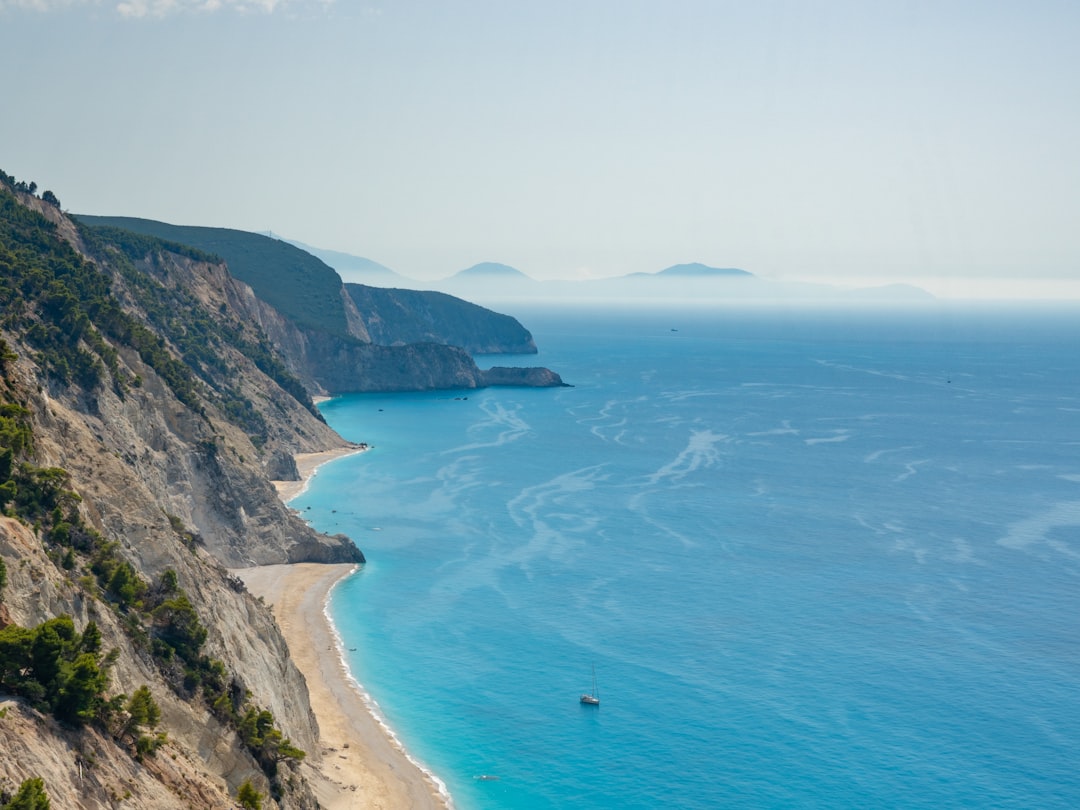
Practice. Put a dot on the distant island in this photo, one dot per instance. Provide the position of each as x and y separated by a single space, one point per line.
496 283
696 270
490 270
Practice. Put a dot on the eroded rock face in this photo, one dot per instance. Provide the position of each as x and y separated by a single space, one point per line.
332 364
534 377
145 487
203 763
178 485
340 338
397 317
175 486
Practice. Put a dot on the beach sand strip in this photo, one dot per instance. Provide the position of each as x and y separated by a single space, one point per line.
358 765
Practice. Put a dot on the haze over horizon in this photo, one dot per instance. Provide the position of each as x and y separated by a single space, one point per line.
840 142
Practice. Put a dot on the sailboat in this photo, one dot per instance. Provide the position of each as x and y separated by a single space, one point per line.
592 698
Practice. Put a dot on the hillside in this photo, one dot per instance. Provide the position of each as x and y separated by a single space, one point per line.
335 342
295 283
140 409
396 316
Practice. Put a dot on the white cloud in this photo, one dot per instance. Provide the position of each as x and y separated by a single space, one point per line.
162 8
44 5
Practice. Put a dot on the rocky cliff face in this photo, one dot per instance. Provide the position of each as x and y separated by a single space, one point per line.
331 364
151 395
397 317
167 484
341 338
535 377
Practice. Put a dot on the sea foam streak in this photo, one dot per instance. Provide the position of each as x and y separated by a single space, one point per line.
808 570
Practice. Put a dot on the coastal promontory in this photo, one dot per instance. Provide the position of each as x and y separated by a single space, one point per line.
148 394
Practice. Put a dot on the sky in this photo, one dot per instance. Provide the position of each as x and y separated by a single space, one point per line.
857 143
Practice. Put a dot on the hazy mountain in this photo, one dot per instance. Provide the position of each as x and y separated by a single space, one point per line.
497 284
491 271
692 283
694 270
356 269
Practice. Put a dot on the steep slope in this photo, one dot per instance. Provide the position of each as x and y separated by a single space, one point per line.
303 308
294 282
395 317
134 442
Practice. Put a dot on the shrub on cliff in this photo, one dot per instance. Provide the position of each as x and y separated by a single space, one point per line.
31 796
50 666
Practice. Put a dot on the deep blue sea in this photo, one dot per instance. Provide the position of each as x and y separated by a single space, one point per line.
817 560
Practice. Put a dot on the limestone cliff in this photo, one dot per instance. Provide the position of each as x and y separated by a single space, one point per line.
396 317
147 394
340 338
151 431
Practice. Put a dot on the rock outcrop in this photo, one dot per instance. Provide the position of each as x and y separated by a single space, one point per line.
341 338
147 395
166 472
395 317
536 377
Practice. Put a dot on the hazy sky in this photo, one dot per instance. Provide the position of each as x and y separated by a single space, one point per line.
858 142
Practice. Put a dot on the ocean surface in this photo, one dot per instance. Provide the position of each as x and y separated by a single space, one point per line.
816 560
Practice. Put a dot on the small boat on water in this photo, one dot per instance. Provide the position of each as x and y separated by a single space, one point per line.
592 698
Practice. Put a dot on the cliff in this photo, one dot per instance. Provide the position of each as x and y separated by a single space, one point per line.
340 338
396 316
139 412
148 394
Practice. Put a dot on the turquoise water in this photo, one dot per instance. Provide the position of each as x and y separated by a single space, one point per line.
816 561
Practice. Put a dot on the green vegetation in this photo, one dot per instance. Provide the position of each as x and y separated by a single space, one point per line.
199 335
35 494
248 797
61 671
143 714
31 796
177 638
45 288
64 308
292 281
51 666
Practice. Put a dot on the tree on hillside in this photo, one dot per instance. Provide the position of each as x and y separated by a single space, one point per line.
50 198
31 796
249 797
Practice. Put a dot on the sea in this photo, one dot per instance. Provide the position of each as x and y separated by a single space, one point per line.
807 558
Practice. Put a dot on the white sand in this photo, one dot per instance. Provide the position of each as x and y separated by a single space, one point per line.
359 765
308 464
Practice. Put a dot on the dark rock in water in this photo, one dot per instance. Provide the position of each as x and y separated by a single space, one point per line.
533 377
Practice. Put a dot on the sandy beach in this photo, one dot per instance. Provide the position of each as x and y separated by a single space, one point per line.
308 464
359 764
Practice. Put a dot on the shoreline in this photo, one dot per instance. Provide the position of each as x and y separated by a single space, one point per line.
307 464
361 763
